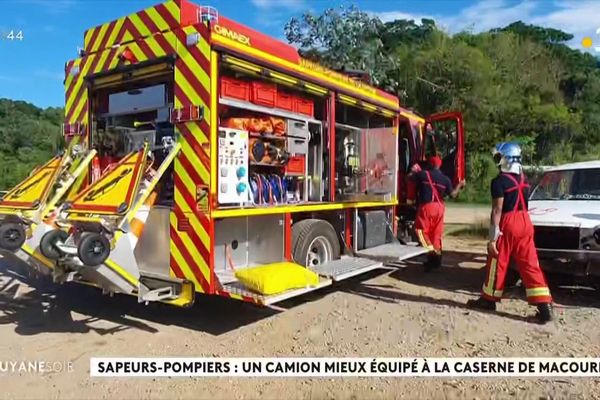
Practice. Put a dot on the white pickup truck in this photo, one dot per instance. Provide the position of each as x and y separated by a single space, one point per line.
565 210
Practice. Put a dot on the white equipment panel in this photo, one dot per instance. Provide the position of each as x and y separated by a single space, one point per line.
233 166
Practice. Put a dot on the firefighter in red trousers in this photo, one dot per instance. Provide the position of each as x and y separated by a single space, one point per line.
511 236
431 187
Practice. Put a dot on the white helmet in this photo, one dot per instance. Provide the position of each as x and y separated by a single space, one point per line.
507 156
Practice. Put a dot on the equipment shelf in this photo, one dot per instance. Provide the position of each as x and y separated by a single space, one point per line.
262 164
272 137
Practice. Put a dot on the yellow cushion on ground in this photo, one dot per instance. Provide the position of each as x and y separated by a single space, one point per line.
276 278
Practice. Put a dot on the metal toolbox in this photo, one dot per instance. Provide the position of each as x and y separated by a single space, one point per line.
298 136
374 225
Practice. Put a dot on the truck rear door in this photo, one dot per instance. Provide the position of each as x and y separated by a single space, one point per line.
445 137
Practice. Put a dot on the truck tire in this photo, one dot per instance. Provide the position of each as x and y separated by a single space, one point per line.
296 229
314 242
93 249
12 236
48 243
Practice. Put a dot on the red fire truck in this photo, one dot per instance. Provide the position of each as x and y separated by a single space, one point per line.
201 151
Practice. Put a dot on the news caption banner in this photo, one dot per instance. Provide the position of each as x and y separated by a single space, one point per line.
345 367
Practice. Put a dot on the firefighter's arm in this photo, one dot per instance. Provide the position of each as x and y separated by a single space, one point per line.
461 185
411 184
495 225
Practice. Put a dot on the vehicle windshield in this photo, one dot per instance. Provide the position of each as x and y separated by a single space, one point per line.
578 184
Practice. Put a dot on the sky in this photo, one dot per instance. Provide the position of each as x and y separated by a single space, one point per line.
31 68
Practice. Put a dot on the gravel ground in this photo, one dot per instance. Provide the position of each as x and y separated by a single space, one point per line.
395 313
459 213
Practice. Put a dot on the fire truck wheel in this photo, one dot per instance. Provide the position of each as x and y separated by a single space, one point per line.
12 236
93 249
48 243
316 243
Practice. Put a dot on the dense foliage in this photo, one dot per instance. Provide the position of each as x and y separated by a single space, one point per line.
29 136
520 82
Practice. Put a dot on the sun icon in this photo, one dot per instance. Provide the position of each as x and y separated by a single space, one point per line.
586 42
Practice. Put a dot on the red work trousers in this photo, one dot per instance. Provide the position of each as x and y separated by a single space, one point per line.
429 225
516 242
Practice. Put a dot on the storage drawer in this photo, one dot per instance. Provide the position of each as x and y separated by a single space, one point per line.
304 106
298 136
285 101
297 145
296 165
235 89
264 94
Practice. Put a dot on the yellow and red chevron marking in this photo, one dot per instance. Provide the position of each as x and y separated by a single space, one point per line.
191 244
192 85
76 96
190 248
192 70
160 18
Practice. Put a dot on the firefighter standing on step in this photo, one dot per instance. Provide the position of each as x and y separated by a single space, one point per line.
431 188
511 236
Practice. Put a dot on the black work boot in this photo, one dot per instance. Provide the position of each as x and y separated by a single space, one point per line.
434 261
437 261
482 304
544 313
427 264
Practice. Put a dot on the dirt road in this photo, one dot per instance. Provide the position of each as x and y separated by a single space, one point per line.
396 313
467 213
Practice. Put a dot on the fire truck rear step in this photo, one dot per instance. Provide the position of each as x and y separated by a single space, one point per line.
392 252
346 267
237 288
155 287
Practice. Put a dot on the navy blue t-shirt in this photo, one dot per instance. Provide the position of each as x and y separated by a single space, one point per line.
500 186
441 182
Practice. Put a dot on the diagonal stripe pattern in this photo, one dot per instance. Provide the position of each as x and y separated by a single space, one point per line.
152 33
191 247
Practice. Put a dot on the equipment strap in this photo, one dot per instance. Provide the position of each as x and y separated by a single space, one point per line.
435 197
519 186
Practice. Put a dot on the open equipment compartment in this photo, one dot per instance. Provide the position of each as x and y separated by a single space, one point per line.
101 235
270 137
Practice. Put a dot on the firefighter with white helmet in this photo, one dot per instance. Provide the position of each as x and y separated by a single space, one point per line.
511 236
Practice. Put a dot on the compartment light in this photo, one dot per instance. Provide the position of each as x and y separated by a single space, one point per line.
347 99
74 70
242 64
315 89
388 113
192 39
368 107
283 78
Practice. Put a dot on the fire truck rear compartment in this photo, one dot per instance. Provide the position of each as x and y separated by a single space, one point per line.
131 111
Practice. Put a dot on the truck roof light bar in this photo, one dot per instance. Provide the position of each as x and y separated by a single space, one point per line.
208 14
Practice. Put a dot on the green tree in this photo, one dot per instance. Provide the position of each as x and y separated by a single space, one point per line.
520 82
29 136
